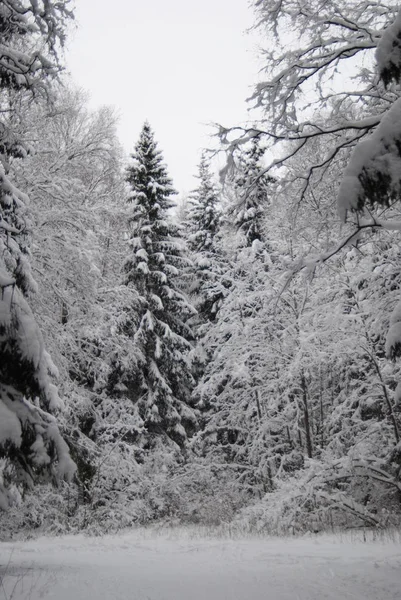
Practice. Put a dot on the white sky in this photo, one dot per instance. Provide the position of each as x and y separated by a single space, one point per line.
181 64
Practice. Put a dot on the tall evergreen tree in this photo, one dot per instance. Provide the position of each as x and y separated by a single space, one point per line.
204 226
153 267
251 191
203 214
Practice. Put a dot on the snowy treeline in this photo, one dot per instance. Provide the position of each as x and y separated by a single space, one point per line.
236 361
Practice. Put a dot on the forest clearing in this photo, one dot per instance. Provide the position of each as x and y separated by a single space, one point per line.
178 565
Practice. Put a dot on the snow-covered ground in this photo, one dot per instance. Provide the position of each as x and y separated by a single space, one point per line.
141 565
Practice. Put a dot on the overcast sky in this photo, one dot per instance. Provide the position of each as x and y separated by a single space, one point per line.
178 63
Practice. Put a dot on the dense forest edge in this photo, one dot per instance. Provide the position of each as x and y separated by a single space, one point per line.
228 359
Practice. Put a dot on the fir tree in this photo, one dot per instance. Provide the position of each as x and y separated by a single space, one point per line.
251 190
154 264
204 226
203 215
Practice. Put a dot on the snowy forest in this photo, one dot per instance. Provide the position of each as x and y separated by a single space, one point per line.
230 358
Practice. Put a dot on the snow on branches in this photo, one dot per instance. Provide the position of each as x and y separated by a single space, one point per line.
30 33
388 52
373 175
154 261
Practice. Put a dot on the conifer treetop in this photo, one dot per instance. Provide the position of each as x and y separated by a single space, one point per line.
147 175
251 189
204 219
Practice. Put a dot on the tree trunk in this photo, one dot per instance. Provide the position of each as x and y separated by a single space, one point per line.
308 433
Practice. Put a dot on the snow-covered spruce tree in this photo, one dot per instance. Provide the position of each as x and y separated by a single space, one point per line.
30 442
203 212
156 259
251 193
203 221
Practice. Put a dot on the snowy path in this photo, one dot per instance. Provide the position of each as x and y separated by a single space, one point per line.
143 566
